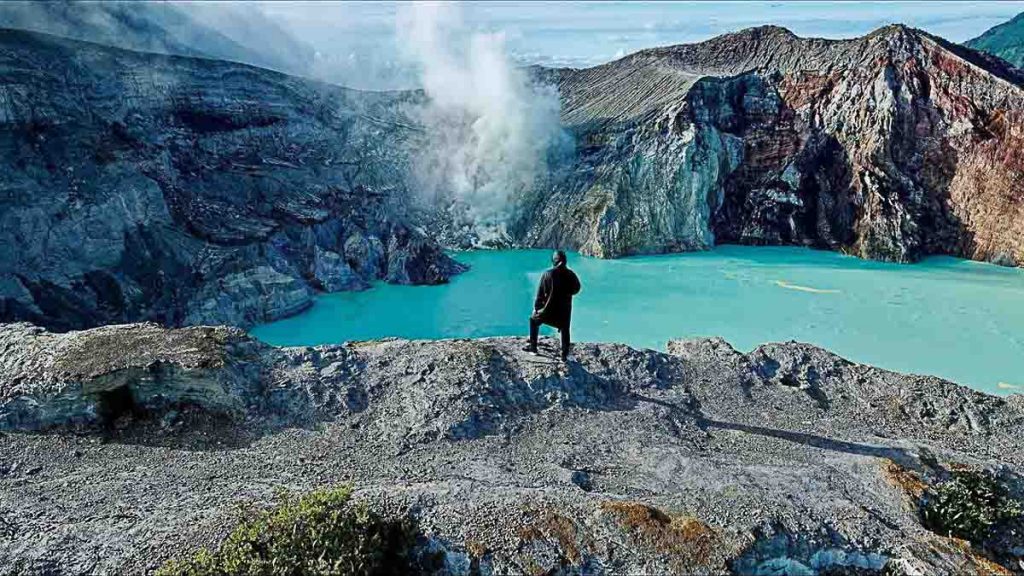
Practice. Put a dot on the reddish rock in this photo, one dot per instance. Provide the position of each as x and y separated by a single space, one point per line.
892 146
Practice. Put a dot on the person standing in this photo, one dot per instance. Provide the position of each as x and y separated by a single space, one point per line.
553 304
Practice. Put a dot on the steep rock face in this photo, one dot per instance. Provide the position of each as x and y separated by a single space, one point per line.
185 191
892 146
1005 41
699 461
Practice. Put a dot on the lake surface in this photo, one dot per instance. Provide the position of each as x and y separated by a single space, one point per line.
957 319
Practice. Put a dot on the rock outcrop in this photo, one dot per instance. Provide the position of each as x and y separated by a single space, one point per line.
892 146
186 191
697 461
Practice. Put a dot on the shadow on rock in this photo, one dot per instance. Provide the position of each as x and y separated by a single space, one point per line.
898 455
182 428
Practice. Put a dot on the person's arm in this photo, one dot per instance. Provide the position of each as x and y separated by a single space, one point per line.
542 293
575 284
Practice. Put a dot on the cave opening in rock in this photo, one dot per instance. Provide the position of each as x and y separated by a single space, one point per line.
116 403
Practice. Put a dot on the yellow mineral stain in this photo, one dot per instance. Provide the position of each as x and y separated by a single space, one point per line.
784 284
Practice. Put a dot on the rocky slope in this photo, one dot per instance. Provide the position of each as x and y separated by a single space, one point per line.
697 461
892 146
1005 41
188 191
223 32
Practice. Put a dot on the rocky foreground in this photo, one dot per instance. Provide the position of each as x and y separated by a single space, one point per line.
123 446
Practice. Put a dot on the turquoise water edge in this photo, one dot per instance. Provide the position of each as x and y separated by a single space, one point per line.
952 318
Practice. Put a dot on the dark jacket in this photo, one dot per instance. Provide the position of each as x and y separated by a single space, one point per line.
554 296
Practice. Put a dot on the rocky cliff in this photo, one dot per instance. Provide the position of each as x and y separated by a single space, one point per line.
892 146
1005 41
701 460
187 191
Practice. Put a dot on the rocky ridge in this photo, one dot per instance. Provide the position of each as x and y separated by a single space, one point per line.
703 459
186 191
892 146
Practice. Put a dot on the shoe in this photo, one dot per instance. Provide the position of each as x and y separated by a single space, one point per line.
530 348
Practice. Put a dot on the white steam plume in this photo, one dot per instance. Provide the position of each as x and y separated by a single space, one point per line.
489 128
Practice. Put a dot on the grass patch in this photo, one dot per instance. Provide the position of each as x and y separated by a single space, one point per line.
321 532
970 505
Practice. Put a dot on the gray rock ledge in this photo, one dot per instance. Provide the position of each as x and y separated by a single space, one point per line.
124 445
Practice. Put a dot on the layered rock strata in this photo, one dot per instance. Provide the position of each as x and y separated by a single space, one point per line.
893 146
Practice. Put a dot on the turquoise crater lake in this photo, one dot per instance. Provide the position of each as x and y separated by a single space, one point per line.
952 318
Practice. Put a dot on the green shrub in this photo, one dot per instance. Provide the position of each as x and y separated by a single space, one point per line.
321 532
968 506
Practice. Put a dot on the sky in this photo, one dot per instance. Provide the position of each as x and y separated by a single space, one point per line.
358 43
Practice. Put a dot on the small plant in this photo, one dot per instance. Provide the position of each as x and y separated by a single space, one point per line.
968 506
321 532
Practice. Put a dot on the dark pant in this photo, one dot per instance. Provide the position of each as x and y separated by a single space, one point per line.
535 332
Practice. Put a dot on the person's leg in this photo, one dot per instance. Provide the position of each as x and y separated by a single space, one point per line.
565 341
534 333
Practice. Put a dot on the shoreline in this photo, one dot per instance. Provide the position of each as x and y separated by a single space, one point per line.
745 294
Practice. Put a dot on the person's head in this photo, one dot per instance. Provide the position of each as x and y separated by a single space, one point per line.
558 258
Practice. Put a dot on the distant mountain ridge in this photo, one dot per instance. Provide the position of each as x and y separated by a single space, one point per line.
165 28
892 146
1005 41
